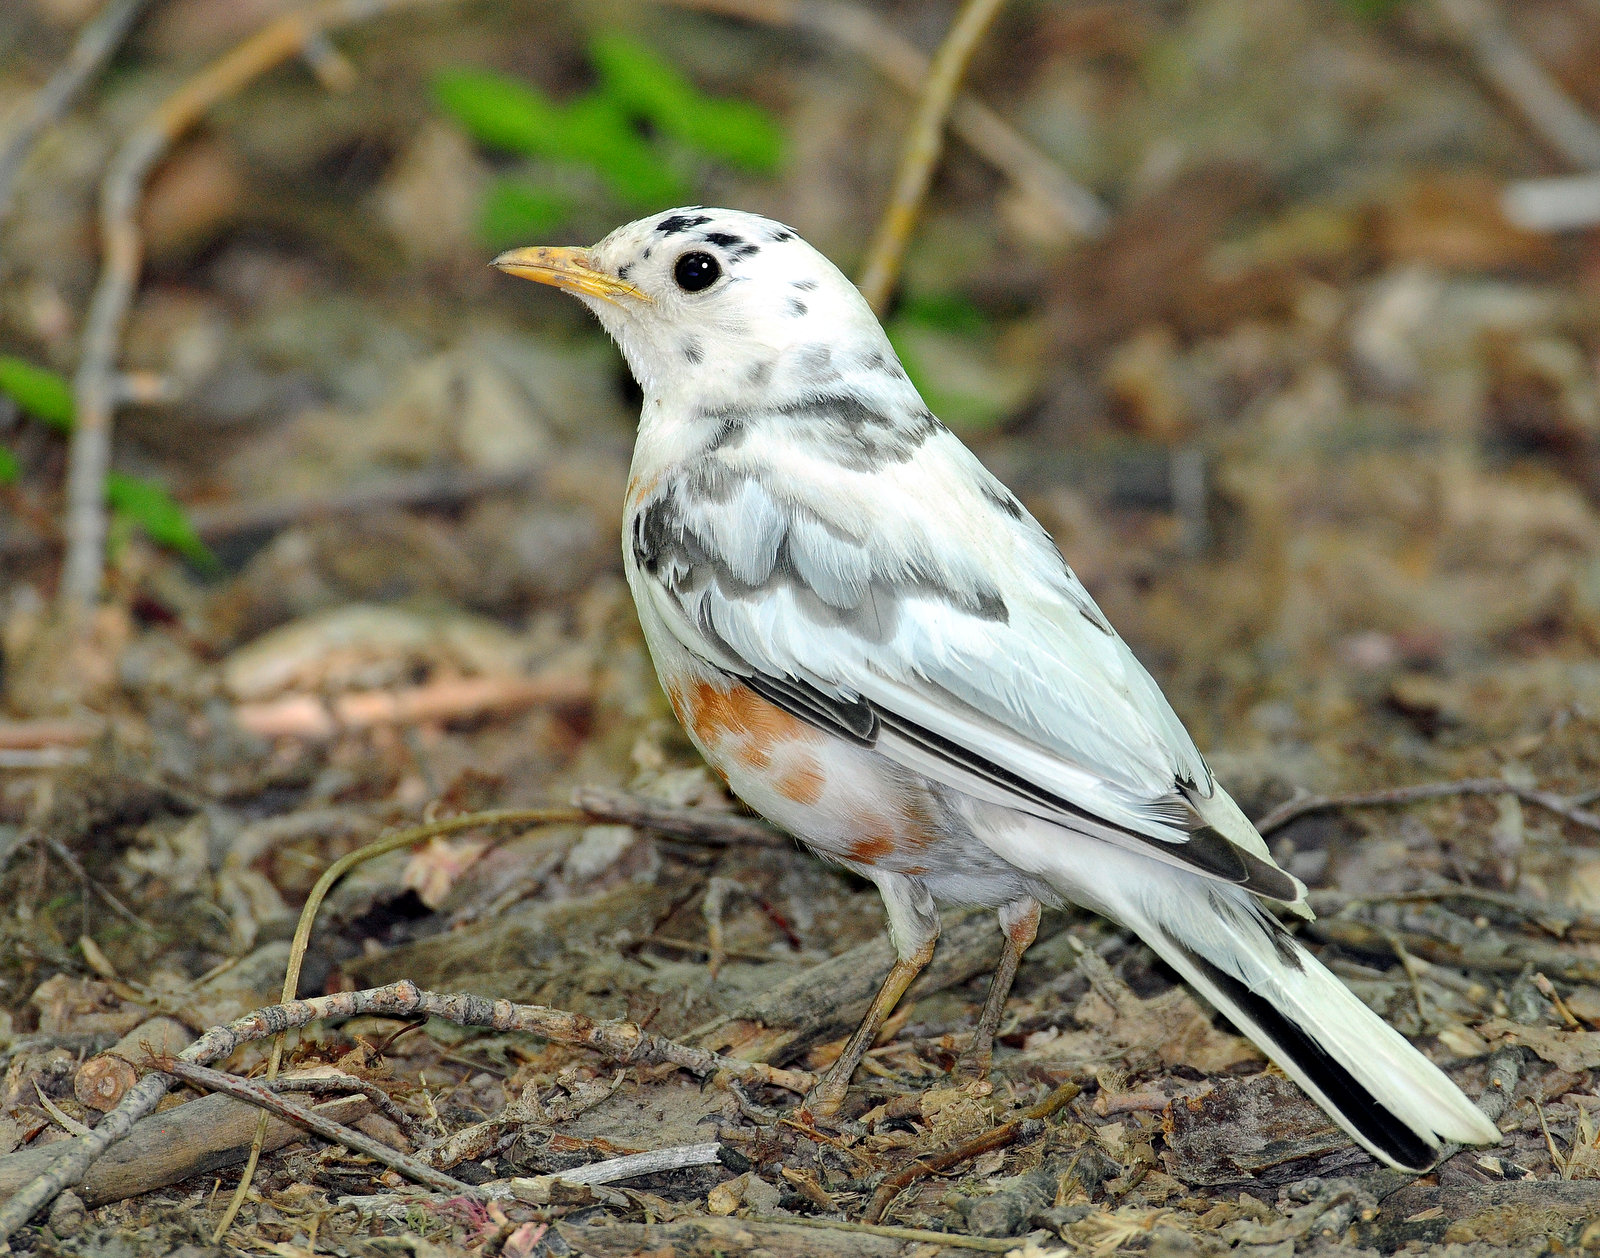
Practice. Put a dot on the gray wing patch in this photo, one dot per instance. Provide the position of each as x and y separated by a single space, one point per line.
754 544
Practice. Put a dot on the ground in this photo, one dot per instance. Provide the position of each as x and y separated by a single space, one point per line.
1313 419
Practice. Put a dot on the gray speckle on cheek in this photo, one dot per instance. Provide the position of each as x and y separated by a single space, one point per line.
693 353
798 308
760 373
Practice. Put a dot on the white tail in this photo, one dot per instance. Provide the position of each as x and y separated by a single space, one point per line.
1392 1100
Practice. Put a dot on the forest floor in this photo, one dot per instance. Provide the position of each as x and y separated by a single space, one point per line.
1314 421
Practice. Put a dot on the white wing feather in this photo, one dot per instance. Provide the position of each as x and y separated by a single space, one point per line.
1047 692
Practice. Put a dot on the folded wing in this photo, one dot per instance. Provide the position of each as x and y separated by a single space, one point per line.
953 639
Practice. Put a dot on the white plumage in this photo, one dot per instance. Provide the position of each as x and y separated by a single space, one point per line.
885 654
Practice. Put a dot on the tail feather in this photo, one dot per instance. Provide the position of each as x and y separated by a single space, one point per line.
1391 1099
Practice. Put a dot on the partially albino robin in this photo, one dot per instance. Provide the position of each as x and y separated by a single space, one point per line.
884 654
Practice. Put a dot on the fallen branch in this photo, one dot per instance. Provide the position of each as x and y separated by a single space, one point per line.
1075 210
1514 72
95 387
698 825
99 38
632 1166
327 1079
166 1148
1491 954
452 699
624 1042
49 732
267 1099
995 1138
1293 809
923 146
1567 203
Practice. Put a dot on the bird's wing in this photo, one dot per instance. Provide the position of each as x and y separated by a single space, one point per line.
908 602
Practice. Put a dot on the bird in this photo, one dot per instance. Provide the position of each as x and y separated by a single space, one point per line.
879 649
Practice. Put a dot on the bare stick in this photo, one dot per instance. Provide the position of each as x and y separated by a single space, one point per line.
1293 809
1076 210
332 1080
1513 72
698 825
93 48
630 1167
95 386
268 1100
624 1042
994 1138
923 147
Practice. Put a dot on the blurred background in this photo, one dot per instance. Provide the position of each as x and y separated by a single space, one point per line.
1268 309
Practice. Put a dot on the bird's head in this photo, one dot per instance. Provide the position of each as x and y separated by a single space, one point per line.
713 305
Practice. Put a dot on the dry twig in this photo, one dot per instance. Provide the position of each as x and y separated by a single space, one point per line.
1075 210
268 1100
923 147
994 1138
619 1041
99 38
1292 810
1514 72
95 386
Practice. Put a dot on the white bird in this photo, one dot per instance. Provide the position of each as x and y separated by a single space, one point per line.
883 653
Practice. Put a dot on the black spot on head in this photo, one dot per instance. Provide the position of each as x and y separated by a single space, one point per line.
622 271
781 234
798 308
806 286
760 373
692 351
675 223
723 239
647 249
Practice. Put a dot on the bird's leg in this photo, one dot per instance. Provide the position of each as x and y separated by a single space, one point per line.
1020 922
913 929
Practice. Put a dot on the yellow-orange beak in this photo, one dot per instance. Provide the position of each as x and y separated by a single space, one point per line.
568 268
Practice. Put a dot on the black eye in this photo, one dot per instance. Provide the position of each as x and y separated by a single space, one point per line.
695 271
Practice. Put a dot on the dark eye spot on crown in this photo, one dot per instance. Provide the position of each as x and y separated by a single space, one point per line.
733 244
780 235
798 307
692 351
806 286
622 271
675 223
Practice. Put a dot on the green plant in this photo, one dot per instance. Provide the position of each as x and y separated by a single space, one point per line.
135 502
633 130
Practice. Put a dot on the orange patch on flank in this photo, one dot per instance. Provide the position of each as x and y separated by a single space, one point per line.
872 849
744 719
803 783
641 487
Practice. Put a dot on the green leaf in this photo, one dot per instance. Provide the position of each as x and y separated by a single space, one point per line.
602 134
10 469
148 505
735 131
43 394
593 130
514 213
949 312
500 112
